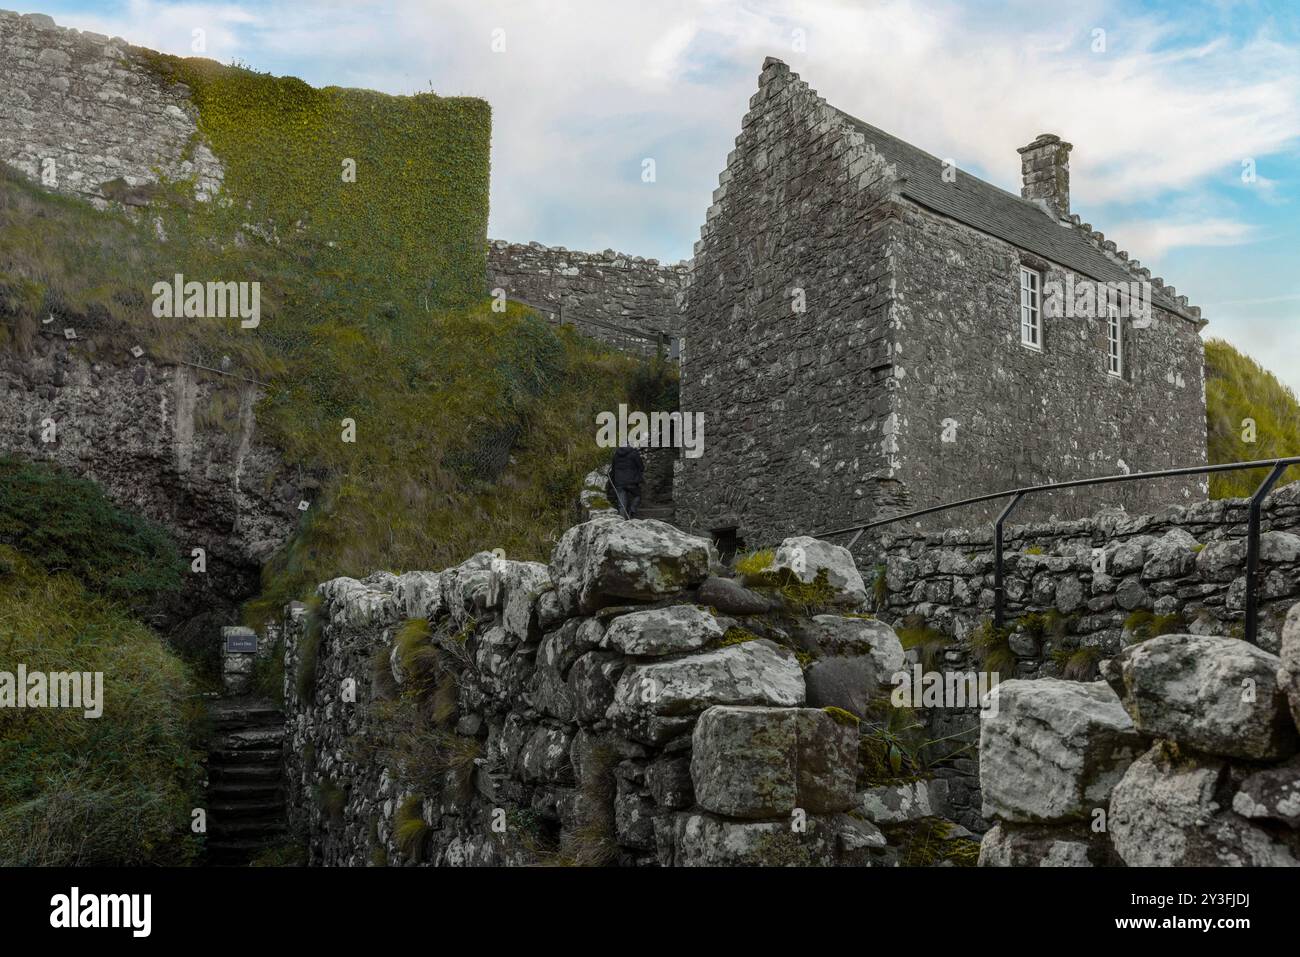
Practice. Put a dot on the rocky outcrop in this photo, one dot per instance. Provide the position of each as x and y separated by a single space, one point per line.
1187 757
140 430
593 710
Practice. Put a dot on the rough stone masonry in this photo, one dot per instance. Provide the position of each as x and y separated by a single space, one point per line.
623 704
853 319
81 115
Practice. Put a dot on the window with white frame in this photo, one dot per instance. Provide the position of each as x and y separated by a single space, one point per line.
1031 314
1114 340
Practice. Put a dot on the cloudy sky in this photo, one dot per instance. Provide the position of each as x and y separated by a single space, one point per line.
1167 104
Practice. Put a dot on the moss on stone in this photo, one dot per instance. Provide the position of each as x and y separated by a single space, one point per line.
846 718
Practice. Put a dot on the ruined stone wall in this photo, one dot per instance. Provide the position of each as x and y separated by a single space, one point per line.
79 111
981 412
785 324
608 287
1185 756
621 705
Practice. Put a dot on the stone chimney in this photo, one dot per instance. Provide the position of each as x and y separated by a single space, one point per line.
1045 173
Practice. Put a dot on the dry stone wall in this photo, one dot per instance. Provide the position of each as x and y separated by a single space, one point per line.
623 704
1099 579
609 286
83 116
1185 755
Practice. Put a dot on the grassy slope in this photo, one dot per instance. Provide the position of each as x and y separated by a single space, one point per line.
113 790
1238 388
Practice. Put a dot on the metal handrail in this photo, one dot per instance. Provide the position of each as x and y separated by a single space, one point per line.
1276 466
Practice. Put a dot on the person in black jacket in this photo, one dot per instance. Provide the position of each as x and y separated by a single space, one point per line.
625 474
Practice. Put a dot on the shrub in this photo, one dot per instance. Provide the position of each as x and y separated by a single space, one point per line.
66 524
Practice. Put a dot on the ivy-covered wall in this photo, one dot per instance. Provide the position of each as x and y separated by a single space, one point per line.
389 191
394 188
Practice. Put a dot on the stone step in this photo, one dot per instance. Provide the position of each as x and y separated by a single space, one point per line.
228 808
225 791
238 850
245 773
247 827
245 757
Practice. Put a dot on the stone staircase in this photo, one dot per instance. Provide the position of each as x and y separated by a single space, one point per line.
246 811
657 487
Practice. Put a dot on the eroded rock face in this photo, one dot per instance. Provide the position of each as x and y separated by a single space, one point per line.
602 561
1052 750
856 659
755 762
656 701
467 588
805 557
894 803
419 594
1168 811
1213 694
662 631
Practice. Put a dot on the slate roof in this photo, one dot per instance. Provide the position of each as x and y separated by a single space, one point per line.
995 211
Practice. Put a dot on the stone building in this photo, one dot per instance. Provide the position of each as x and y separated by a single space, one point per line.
870 329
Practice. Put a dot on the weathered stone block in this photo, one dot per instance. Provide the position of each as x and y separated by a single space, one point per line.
756 762
1051 750
1214 694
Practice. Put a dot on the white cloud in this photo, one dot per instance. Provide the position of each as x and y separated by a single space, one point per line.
1156 237
587 88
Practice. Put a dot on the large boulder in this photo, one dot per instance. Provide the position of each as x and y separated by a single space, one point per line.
732 598
662 631
1288 673
1165 812
756 762
658 700
1213 694
856 659
607 561
806 557
1051 750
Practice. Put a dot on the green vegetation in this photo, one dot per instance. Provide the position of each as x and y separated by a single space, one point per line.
281 855
992 645
411 832
880 587
1077 662
1143 624
65 524
411 225
913 632
113 790
1239 388
754 564
308 651
331 799
926 842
